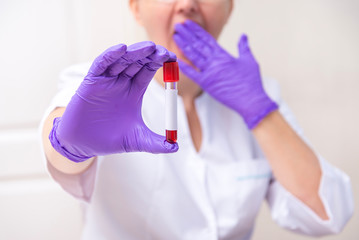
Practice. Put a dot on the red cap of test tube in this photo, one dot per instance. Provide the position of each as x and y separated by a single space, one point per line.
170 72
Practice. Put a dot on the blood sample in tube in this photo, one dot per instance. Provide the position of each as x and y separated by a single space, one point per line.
171 77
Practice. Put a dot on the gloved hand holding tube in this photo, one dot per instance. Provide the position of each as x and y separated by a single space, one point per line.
235 82
104 116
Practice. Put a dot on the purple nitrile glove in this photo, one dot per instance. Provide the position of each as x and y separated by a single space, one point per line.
104 116
235 82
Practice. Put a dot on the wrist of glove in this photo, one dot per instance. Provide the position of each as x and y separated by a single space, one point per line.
257 110
61 148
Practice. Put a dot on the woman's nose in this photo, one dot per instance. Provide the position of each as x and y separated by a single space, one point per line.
187 6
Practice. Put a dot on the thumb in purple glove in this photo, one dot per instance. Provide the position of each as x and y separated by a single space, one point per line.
104 116
235 82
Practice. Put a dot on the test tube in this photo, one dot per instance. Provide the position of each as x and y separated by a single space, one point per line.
171 77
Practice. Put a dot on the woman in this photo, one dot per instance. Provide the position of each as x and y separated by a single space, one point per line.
238 141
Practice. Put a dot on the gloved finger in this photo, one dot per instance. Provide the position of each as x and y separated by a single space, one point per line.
156 59
191 53
243 46
201 33
151 63
172 58
198 43
190 72
108 57
143 77
129 72
155 143
185 33
245 50
160 55
134 53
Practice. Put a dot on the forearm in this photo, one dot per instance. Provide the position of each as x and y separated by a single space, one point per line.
293 163
58 161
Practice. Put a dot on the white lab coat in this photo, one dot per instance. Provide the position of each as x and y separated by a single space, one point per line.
211 194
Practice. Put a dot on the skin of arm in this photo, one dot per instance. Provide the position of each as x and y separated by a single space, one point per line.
58 161
294 164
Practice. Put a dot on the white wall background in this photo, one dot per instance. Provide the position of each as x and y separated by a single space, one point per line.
310 46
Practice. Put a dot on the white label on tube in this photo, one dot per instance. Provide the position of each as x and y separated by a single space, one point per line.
171 109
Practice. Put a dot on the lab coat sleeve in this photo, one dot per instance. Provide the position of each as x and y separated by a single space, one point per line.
81 185
291 213
335 192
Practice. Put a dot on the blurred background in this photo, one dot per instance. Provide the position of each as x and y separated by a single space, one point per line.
310 46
